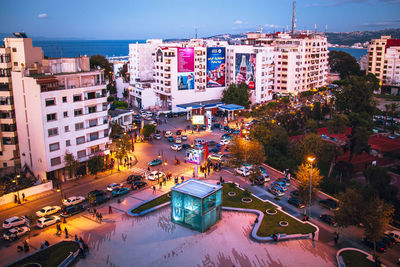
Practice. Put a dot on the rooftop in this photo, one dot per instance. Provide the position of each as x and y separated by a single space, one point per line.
196 188
206 104
231 107
117 112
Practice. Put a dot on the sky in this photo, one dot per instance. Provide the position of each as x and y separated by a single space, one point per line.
142 19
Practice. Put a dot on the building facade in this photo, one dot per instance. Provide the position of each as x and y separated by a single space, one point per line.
60 113
16 54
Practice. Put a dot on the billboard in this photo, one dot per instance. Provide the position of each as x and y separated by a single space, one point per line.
193 156
186 81
186 59
197 119
245 69
215 67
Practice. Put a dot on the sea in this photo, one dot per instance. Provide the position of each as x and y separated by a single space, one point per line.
114 48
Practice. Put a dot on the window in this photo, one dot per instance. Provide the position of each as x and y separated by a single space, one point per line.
78 126
55 161
64 99
15 64
93 123
54 146
91 95
14 49
81 154
66 128
68 143
52 131
65 114
78 112
106 133
80 140
77 98
5 164
51 117
92 109
94 136
50 102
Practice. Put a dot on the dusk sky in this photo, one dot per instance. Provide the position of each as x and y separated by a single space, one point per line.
100 19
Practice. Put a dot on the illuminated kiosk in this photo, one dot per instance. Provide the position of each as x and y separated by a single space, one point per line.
196 204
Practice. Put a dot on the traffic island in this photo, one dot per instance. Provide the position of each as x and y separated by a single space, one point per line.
352 257
55 255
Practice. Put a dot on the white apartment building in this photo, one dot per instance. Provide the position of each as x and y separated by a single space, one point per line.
16 53
391 73
60 113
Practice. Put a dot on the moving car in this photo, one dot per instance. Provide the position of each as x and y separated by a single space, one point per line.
16 232
170 139
154 175
176 147
138 184
113 186
167 134
184 137
47 221
132 178
242 171
329 219
226 128
178 140
97 197
226 136
72 210
296 202
48 210
14 221
217 125
225 142
157 136
120 191
73 200
328 203
276 191
155 162
217 157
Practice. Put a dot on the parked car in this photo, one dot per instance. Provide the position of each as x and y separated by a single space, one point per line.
132 178
15 221
380 246
170 139
113 186
226 128
16 232
260 180
178 140
120 191
388 240
294 193
329 219
225 142
155 162
179 132
284 180
394 234
138 184
157 136
217 125
242 171
72 210
226 136
329 204
214 150
217 157
199 141
211 143
167 134
176 147
280 184
47 221
73 200
48 210
184 137
185 146
154 175
296 202
276 191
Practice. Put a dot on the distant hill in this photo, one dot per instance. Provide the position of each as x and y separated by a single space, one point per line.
349 38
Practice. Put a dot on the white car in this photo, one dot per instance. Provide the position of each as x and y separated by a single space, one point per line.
394 234
184 137
178 140
16 232
154 175
44 222
275 191
214 156
167 134
242 171
14 221
176 147
48 210
224 142
113 186
148 113
153 122
73 200
157 136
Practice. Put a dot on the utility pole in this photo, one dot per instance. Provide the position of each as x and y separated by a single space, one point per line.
294 17
195 30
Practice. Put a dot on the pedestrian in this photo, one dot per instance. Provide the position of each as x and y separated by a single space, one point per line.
23 197
148 169
313 236
109 209
42 245
208 171
15 199
81 240
66 232
58 229
165 181
182 179
94 212
97 217
160 184
205 175
76 239
154 189
46 243
101 218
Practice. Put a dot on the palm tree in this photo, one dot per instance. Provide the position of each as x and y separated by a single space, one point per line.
71 164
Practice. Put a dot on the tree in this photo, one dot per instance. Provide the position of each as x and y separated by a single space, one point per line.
338 124
95 164
254 174
316 111
303 176
102 62
71 164
123 72
125 94
343 63
123 146
360 132
238 94
248 151
311 125
118 104
148 129
310 145
379 181
111 88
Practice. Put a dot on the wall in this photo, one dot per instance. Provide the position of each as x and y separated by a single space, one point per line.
33 190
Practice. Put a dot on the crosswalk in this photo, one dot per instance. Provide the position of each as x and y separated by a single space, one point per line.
138 170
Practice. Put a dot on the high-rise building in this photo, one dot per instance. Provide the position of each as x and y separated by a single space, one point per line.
16 54
63 109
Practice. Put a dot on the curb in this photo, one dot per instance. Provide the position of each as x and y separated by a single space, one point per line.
130 213
340 261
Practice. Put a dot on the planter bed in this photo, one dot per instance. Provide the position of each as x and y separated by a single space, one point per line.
153 203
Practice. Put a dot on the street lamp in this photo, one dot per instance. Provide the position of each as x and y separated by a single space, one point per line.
311 160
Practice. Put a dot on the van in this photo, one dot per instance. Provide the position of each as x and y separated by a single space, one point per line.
394 234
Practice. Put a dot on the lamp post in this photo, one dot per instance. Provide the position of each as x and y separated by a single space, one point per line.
311 160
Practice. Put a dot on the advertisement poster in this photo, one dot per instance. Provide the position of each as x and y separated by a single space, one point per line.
186 59
245 69
215 67
197 119
186 81
193 156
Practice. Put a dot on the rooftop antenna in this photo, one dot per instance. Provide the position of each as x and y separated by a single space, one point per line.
195 30
326 27
294 17
260 28
315 27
